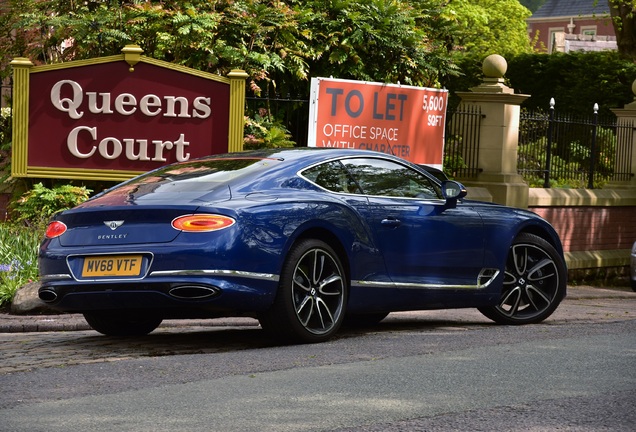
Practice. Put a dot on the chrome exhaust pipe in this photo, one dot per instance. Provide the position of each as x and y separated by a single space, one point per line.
47 295
193 292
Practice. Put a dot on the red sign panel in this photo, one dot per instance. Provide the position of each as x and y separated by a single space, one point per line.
404 121
105 117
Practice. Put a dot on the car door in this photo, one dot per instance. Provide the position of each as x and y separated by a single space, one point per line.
425 244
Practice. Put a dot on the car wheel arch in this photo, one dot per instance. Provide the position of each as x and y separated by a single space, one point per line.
536 230
540 231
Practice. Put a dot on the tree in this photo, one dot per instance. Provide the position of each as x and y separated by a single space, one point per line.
375 40
209 36
623 13
384 40
484 27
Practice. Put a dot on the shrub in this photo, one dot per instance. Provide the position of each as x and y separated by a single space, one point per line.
36 206
18 259
569 163
577 80
262 131
20 240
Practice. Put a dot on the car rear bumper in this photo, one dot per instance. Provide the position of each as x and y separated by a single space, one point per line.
199 295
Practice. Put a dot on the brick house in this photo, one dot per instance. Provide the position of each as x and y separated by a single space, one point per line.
572 25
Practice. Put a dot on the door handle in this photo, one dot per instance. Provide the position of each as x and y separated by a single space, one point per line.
390 222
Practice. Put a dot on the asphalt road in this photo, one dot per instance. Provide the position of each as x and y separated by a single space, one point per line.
433 371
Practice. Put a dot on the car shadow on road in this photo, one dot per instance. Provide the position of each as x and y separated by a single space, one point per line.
202 339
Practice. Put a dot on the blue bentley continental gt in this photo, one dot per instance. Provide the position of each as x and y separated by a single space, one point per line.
301 239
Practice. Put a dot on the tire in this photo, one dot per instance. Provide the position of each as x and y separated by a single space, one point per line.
311 298
534 283
121 324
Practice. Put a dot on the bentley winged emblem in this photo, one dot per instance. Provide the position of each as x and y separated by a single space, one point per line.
114 224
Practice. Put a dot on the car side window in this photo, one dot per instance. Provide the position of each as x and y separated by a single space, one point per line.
383 177
332 176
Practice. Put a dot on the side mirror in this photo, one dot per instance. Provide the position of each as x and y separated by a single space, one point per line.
453 191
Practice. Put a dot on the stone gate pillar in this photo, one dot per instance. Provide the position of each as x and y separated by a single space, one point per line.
499 135
627 117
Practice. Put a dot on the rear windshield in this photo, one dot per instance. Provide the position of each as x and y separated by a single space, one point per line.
184 181
201 175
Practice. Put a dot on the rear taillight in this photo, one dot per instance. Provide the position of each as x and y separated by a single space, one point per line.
202 222
55 229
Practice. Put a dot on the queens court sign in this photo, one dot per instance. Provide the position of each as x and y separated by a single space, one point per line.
111 118
401 120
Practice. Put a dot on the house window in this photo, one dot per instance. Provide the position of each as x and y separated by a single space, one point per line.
588 30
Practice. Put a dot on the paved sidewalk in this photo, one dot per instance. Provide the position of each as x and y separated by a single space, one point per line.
74 322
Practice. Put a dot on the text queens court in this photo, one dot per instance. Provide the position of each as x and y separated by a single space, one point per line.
125 104
106 116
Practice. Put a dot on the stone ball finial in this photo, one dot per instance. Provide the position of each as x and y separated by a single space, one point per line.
494 66
634 88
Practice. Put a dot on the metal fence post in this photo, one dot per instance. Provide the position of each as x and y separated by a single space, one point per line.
590 179
548 153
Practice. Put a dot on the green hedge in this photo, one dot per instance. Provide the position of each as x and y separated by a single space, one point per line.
575 80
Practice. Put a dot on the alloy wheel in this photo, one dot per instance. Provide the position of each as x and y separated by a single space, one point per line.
317 291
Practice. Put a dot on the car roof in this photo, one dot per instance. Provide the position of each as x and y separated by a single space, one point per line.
308 155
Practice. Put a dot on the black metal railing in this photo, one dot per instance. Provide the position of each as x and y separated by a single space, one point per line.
292 112
461 146
567 150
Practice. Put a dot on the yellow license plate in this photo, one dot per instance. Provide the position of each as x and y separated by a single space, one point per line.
112 265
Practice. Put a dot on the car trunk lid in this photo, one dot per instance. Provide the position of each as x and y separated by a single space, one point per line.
121 225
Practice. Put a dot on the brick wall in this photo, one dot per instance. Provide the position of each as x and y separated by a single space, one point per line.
592 228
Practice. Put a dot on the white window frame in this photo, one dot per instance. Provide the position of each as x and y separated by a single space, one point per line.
589 30
551 33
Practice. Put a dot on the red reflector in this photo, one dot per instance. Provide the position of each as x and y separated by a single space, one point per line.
202 222
55 229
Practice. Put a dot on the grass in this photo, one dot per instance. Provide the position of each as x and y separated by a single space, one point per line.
18 259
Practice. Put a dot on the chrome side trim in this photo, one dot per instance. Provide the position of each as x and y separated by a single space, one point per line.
484 280
230 273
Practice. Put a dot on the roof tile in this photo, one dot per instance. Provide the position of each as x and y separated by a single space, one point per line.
571 8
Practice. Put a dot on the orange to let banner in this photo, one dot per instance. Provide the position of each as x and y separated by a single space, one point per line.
401 120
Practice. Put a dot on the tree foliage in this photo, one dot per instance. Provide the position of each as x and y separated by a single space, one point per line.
274 41
385 41
484 27
279 43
